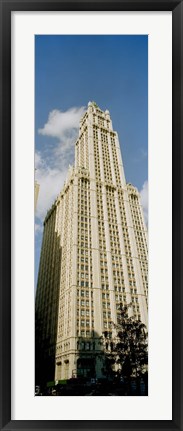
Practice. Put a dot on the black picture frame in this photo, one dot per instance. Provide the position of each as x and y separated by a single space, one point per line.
6 7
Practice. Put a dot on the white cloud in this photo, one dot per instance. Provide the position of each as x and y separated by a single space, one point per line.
38 228
62 125
51 181
52 161
144 200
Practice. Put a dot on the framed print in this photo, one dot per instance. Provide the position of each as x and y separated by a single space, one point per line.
75 76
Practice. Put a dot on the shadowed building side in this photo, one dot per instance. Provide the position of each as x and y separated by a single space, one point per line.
47 300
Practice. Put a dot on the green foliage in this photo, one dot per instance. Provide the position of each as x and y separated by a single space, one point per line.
126 353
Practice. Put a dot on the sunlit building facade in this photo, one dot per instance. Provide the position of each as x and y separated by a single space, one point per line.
94 253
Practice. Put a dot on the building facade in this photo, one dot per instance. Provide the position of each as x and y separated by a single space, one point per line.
94 254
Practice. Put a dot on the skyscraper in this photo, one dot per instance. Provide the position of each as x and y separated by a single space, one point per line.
94 254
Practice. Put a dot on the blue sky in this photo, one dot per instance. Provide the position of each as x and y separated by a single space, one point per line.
69 72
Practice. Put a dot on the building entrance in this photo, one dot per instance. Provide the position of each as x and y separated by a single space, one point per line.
86 367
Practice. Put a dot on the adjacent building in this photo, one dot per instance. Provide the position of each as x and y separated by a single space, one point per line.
93 257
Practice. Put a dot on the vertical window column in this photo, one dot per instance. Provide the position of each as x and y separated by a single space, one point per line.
109 258
111 160
121 239
136 263
120 162
100 156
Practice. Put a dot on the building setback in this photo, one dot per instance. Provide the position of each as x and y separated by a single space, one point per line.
93 257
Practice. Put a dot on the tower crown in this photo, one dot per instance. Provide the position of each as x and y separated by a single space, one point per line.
95 104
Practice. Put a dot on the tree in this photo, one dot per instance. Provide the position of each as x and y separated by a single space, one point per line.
126 353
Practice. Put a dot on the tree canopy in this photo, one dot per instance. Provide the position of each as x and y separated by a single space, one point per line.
126 353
